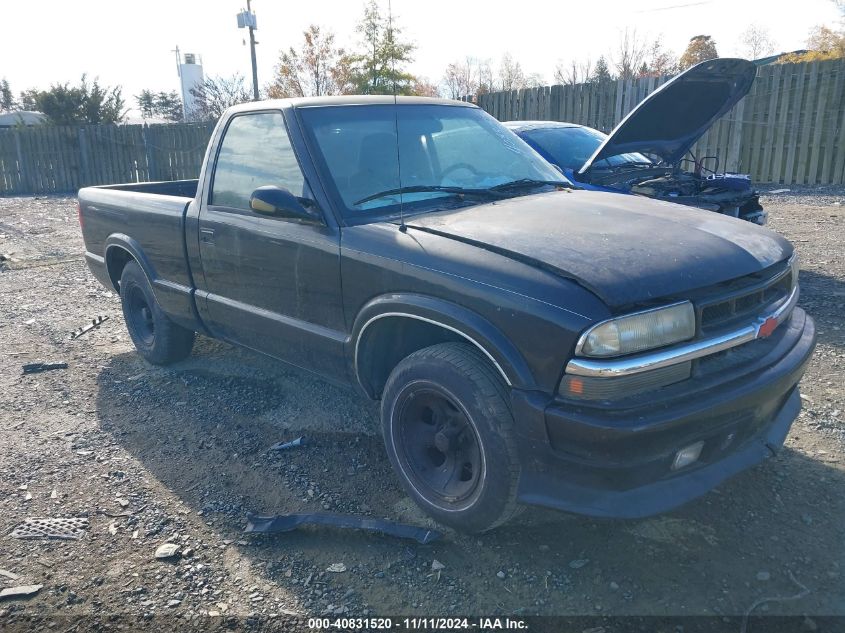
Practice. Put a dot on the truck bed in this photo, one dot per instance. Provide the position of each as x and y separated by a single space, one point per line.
147 220
178 188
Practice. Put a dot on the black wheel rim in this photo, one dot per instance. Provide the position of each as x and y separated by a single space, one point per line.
438 446
140 315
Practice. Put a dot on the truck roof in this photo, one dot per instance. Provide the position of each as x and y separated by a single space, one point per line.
345 100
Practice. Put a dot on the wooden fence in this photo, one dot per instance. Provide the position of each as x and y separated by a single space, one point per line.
48 159
788 129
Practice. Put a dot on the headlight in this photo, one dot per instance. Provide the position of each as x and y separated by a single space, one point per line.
639 331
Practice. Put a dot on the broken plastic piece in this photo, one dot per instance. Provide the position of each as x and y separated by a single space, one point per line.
95 323
35 368
20 592
285 445
290 522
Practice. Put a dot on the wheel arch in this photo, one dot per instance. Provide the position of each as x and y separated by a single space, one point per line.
120 250
398 325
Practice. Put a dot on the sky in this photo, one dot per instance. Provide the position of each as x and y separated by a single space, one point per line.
130 44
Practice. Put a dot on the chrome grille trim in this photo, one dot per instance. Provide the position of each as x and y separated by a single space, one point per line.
680 353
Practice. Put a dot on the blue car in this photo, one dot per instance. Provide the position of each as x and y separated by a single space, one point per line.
649 152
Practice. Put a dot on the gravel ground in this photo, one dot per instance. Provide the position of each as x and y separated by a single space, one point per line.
180 455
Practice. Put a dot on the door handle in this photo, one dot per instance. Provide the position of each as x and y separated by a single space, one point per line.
207 236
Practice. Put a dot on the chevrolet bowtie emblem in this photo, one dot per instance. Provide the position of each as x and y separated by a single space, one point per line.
767 327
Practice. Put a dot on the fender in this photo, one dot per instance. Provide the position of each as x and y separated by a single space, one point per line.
131 246
176 300
468 324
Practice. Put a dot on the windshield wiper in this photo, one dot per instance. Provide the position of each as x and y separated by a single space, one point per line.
530 182
463 191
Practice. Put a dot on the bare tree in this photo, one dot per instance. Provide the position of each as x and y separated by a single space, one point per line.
461 78
485 77
470 76
660 61
757 42
534 80
575 72
214 95
630 54
511 75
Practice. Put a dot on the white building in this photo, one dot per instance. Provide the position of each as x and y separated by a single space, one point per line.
190 76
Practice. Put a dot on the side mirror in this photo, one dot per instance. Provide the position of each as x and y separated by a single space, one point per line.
278 201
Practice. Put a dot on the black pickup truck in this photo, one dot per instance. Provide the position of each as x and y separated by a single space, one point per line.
530 342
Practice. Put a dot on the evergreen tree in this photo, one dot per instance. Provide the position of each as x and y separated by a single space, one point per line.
7 101
601 73
64 104
146 103
168 105
380 64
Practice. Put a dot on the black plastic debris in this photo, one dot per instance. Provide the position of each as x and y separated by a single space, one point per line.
35 368
95 323
289 522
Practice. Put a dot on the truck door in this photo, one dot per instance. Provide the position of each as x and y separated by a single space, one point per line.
270 283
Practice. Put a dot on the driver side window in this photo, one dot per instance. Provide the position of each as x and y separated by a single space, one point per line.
255 151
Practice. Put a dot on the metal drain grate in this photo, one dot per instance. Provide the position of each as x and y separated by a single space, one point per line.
57 527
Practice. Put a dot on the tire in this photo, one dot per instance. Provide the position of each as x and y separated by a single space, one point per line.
158 339
448 430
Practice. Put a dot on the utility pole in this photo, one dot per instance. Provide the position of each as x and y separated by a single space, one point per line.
181 87
247 19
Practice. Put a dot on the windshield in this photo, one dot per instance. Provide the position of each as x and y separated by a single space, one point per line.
571 147
445 152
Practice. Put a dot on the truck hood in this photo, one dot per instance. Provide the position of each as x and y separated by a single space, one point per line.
673 117
625 249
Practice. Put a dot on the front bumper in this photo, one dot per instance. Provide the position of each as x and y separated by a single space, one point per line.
615 461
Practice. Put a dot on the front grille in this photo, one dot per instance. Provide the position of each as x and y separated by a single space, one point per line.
745 298
739 356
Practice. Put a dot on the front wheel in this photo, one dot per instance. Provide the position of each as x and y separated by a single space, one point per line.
156 337
448 430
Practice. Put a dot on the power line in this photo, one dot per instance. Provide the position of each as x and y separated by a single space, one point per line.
675 6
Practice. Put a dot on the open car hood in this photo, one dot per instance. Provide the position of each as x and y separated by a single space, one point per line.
673 117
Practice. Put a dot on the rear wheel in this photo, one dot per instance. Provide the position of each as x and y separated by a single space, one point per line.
158 339
448 430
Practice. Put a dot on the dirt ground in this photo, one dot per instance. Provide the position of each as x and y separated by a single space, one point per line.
153 455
